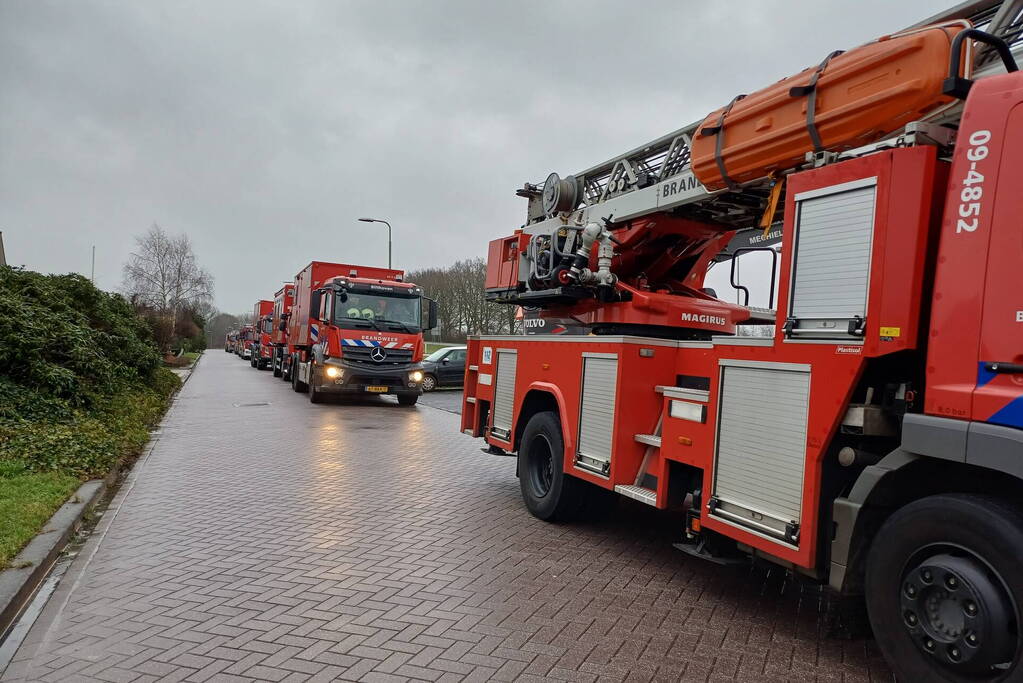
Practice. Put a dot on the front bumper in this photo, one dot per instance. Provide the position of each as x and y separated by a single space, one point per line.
359 379
246 353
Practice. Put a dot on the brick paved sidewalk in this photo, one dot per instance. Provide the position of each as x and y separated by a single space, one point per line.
370 542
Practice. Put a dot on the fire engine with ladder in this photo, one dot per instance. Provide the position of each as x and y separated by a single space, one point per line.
874 441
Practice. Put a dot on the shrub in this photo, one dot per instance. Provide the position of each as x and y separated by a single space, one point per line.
81 380
67 340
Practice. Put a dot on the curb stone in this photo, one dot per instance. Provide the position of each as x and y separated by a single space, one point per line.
28 569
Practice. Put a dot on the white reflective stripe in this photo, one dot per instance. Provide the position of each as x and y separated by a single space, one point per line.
391 345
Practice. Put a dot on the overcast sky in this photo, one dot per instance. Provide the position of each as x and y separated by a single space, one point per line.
264 129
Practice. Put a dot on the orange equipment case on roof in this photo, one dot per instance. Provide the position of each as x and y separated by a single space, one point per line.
851 99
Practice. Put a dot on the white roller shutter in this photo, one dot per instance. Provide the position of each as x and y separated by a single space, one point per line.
761 446
504 393
831 266
597 412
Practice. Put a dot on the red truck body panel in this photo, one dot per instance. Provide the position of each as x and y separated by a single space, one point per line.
977 305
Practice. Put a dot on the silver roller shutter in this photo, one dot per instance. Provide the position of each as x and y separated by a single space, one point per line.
831 268
504 393
597 412
761 446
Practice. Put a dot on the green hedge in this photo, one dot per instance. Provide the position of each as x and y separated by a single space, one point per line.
67 340
81 379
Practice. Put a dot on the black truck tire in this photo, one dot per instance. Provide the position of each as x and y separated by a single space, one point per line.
944 589
315 395
277 363
296 384
549 493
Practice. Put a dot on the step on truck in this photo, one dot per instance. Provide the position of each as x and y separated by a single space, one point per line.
357 330
262 350
283 299
872 437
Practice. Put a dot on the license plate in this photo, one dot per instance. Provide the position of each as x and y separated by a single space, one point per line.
377 390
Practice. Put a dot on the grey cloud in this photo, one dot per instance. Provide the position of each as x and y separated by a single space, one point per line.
264 129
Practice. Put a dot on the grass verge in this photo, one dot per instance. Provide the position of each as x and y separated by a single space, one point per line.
27 500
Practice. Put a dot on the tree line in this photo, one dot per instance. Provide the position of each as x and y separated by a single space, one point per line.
464 310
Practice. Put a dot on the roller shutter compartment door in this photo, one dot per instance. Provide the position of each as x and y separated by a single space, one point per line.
504 394
761 447
597 412
831 266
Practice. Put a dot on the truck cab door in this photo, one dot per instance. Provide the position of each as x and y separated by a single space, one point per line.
998 398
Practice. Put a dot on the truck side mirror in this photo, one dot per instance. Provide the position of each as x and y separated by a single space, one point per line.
326 304
431 314
283 326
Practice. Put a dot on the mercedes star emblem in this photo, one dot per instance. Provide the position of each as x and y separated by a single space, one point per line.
378 354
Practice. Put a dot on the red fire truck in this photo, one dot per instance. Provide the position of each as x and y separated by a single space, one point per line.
357 329
874 440
283 299
262 351
244 343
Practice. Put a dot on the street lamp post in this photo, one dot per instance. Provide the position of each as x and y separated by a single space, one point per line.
377 220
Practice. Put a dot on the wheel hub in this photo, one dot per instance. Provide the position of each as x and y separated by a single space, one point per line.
956 611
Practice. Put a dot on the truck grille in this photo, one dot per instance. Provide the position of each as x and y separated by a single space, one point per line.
360 356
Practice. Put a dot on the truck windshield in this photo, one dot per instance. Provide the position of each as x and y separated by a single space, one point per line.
378 311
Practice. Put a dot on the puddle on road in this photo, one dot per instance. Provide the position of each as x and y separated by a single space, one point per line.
250 405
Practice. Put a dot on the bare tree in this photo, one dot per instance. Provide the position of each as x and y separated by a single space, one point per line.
459 291
163 276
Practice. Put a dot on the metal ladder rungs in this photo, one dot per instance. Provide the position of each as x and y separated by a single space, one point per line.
648 439
640 493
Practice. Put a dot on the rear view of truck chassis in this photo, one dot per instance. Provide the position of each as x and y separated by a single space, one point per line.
875 440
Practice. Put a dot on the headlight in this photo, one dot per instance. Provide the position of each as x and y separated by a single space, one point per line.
333 372
416 375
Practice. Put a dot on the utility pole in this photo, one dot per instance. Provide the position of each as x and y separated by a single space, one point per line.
3 259
93 276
